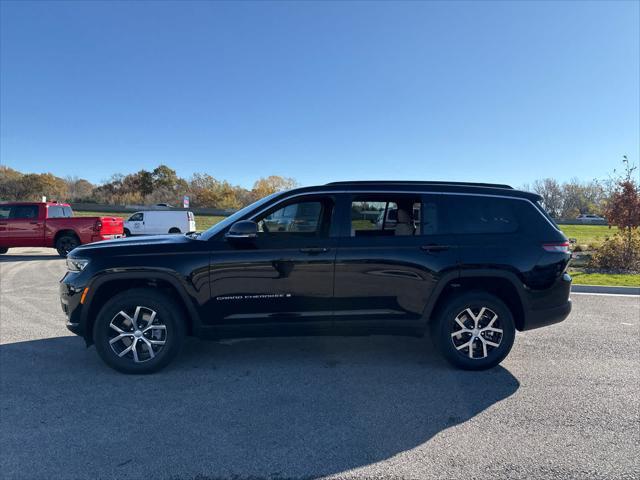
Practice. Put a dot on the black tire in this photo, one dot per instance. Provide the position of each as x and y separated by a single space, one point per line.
126 232
3 250
65 243
450 338
167 313
174 230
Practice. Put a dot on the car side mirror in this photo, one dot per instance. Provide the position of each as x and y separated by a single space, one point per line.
243 230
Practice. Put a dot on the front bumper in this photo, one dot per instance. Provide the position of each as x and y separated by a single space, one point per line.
71 307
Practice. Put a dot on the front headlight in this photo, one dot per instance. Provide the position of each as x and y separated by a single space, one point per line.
76 264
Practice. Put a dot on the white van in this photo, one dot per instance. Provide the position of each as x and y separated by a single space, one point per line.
158 222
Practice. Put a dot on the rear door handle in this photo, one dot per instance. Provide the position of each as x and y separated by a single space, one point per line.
434 248
314 250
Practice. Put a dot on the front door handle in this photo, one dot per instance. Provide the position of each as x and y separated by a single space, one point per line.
312 250
434 248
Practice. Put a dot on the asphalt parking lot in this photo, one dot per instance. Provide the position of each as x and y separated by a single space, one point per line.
564 404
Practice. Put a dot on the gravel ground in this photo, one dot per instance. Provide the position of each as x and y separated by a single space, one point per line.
564 404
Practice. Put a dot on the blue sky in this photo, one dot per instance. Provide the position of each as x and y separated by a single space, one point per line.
482 91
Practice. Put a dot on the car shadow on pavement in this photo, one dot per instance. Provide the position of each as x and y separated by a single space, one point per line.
256 408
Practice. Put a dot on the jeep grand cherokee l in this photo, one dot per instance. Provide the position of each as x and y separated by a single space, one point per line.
469 263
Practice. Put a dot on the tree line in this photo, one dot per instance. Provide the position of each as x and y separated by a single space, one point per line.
160 185
163 185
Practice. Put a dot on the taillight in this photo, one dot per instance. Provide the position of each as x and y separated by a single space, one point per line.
560 247
98 226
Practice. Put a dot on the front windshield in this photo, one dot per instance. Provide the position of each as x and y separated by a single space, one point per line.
231 219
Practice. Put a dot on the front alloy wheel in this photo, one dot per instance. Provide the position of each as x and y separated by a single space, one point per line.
139 330
139 335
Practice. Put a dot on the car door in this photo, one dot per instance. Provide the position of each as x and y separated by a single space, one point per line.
386 274
135 224
26 226
285 275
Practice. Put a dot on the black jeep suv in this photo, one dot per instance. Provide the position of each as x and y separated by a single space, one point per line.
471 263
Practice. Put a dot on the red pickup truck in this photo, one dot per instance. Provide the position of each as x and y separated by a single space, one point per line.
24 224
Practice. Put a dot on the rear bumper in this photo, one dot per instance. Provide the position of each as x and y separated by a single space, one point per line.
97 238
547 316
546 307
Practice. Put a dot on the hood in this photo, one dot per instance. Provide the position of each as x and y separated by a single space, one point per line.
130 243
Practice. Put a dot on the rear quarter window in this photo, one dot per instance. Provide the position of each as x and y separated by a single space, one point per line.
467 214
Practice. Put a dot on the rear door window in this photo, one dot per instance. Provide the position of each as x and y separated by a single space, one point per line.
389 215
5 212
24 212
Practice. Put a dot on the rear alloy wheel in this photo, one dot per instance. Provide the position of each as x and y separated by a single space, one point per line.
475 331
174 230
139 331
66 243
3 250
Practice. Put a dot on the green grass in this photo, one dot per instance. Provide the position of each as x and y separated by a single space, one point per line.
202 221
605 279
588 236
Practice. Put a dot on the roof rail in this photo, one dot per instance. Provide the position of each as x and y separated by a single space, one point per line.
418 182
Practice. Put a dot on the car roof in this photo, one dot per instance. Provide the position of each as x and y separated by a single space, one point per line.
48 204
420 187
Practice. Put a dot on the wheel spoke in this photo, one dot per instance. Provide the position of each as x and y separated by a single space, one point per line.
119 330
460 332
122 313
491 329
151 319
471 348
479 316
490 324
135 318
493 344
460 347
461 323
471 315
484 347
149 348
156 342
154 327
128 349
120 337
135 350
